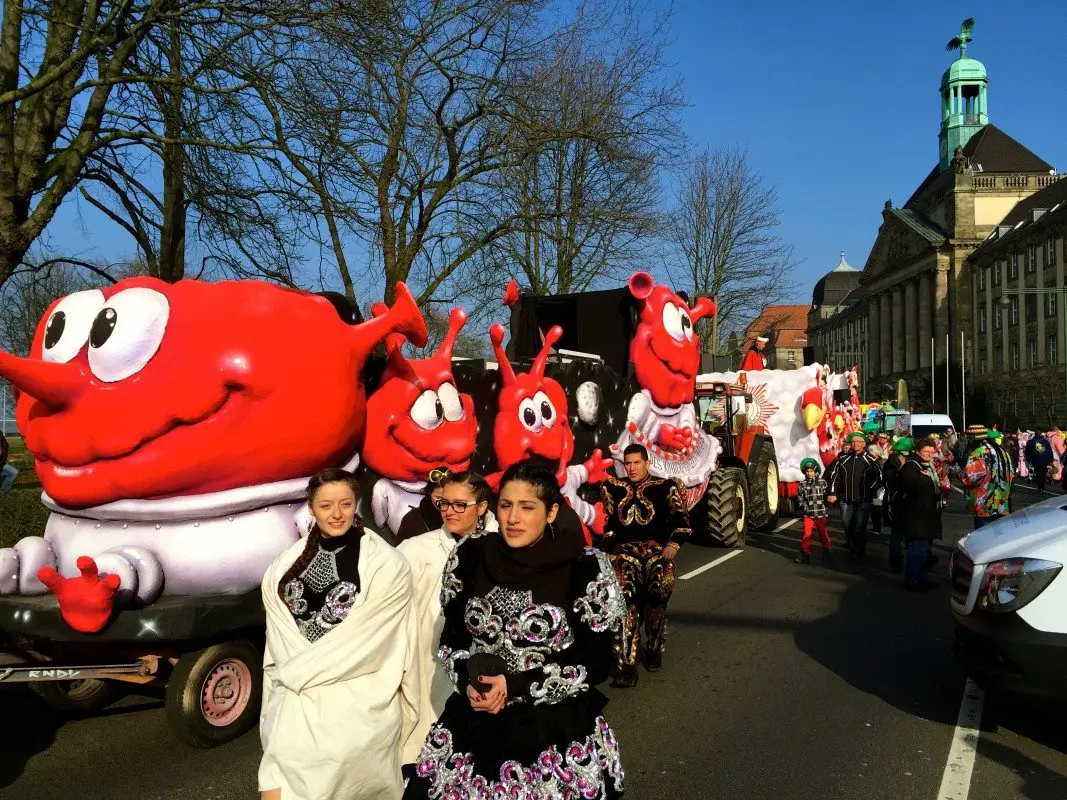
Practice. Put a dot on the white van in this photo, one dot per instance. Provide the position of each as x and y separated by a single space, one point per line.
1009 602
922 425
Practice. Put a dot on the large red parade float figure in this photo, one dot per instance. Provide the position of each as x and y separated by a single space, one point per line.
417 421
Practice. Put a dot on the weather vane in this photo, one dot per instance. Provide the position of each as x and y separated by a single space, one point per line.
960 42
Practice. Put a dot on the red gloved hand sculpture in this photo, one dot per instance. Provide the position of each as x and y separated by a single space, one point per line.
86 601
678 439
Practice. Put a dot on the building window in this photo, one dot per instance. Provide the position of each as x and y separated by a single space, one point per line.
981 321
981 278
1050 305
1014 350
1031 306
1014 310
1050 253
997 317
1013 267
1031 351
1050 349
1031 258
998 358
981 359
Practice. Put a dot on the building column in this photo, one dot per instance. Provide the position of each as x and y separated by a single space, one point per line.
940 313
885 338
1061 301
898 332
911 328
873 362
1005 317
925 317
989 319
1042 306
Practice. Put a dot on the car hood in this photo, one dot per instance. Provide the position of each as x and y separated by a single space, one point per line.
1039 531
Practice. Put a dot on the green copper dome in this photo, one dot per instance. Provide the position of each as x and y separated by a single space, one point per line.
964 70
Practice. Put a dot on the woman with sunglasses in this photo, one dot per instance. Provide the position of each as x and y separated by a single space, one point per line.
530 616
464 508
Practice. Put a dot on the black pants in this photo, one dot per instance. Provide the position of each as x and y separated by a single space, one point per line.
876 519
1041 474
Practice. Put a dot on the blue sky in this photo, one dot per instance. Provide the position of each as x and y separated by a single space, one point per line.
836 102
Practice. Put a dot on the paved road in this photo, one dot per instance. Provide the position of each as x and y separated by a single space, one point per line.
781 681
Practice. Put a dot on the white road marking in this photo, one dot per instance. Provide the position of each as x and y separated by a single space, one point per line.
956 780
787 524
714 563
1033 489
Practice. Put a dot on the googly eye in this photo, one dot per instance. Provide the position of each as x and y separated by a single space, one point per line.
672 321
450 401
545 409
687 324
67 329
126 333
530 415
428 412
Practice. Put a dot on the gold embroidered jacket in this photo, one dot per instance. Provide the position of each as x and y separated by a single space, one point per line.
653 510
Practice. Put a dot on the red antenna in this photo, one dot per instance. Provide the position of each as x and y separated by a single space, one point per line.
496 336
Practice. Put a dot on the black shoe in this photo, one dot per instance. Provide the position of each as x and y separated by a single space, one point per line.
921 586
803 558
625 678
654 661
896 565
855 558
932 560
827 555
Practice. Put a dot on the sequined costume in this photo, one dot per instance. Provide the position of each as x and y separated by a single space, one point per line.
550 740
642 518
321 596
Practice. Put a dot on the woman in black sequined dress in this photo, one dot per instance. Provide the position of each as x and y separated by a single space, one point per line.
531 616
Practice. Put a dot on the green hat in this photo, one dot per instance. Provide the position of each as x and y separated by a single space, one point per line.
903 445
810 463
870 428
855 435
994 436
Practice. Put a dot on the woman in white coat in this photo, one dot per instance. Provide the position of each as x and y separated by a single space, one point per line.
341 678
464 507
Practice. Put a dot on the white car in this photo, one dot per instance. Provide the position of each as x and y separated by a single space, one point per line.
1009 602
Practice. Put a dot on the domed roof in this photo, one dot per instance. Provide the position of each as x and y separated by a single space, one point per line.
832 287
964 70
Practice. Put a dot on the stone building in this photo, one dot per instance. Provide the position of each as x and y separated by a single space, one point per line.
837 320
1019 339
915 283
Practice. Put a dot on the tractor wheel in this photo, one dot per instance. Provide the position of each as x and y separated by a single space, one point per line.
763 490
727 507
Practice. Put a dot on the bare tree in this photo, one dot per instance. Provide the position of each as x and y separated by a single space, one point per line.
586 199
725 229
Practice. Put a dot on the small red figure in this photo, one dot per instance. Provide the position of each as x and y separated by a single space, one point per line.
416 421
532 420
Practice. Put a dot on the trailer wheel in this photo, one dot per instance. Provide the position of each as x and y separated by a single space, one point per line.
213 695
763 490
727 502
90 694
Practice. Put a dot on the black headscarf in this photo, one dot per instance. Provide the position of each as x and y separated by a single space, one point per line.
544 565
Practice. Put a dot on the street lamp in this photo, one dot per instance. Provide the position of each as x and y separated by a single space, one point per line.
1060 291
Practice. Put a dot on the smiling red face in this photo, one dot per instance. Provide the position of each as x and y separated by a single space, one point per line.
665 350
148 390
417 420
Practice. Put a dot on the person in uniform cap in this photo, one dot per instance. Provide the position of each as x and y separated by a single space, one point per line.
755 357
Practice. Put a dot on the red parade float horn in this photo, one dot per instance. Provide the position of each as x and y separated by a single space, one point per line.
641 285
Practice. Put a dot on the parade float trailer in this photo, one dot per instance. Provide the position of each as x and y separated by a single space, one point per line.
161 421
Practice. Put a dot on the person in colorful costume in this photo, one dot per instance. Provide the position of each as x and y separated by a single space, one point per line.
647 521
1055 438
1040 457
988 477
530 618
756 358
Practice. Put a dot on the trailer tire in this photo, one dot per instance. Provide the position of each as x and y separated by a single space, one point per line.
91 694
763 507
213 695
727 507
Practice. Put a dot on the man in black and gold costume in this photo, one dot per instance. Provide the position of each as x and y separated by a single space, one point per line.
646 524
